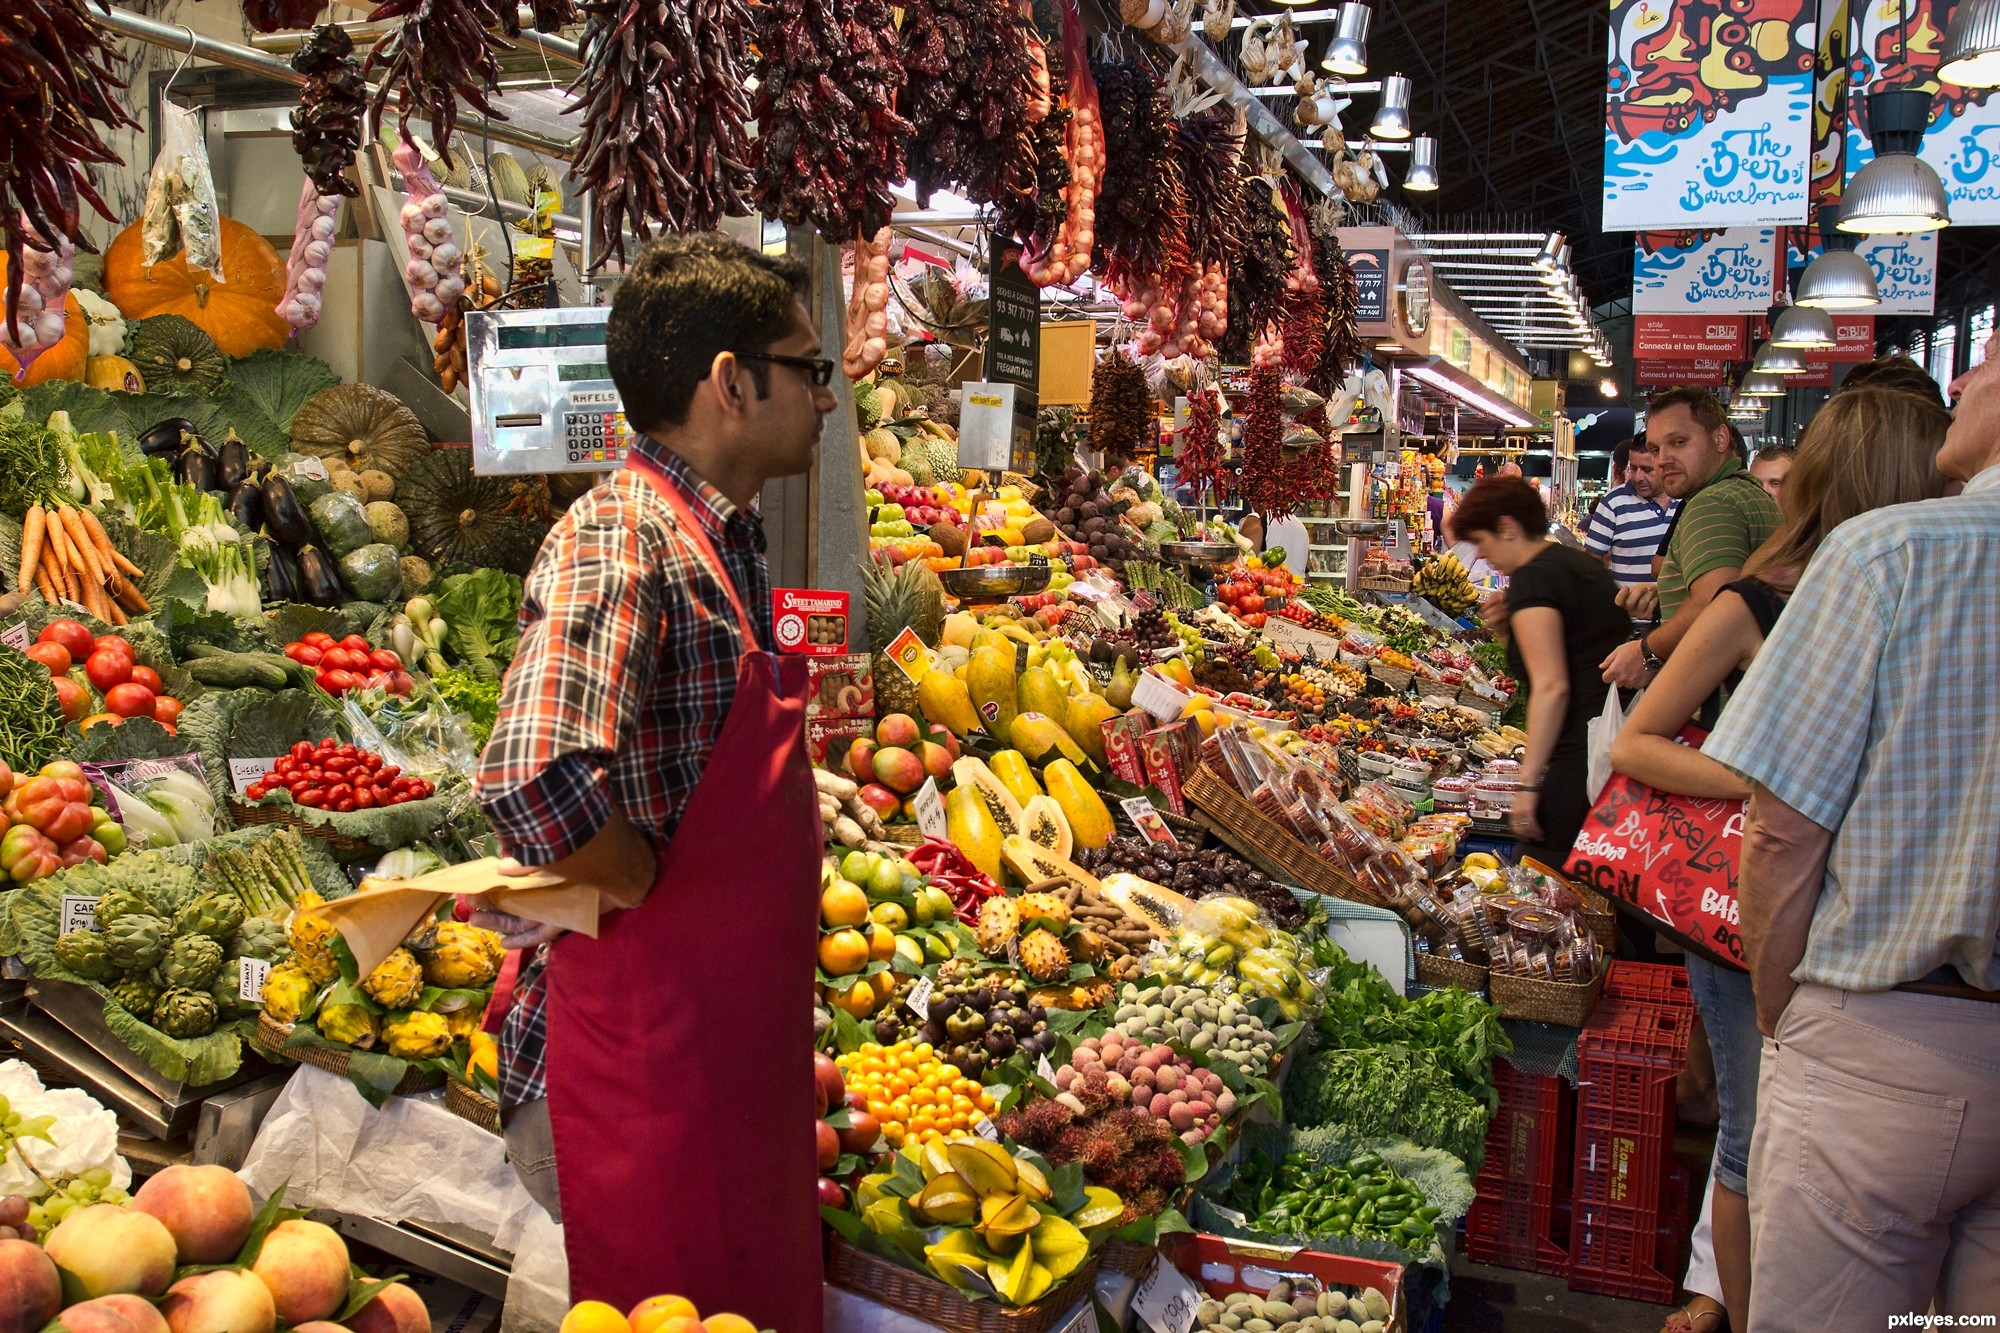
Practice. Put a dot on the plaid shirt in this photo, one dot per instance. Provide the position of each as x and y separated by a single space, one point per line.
1874 711
625 672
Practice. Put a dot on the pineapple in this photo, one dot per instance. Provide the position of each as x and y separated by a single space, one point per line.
1043 956
905 595
999 920
1046 905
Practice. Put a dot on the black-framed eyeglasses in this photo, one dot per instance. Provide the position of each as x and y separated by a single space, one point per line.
820 368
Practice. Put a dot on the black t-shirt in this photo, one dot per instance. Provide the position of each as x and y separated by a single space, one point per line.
1580 590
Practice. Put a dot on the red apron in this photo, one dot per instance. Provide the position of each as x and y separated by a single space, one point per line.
680 1043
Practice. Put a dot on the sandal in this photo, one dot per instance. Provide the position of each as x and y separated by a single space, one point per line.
1686 1320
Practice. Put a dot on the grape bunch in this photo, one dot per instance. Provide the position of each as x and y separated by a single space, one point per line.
1240 656
93 1186
1150 630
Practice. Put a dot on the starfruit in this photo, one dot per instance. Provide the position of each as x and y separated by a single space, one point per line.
986 1166
1101 1208
1004 1219
1059 1247
887 1216
946 1201
959 1261
935 1161
1031 1181
1014 1279
872 1188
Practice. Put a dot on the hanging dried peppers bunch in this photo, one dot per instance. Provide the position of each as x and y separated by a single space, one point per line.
1044 212
1257 278
61 83
1065 256
276 15
442 53
1142 208
1303 324
1343 350
1121 407
1201 462
1265 481
830 143
326 127
971 82
1210 146
664 139
555 15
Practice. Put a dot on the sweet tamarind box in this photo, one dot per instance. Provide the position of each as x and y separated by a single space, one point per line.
809 620
1121 747
1169 756
840 686
828 738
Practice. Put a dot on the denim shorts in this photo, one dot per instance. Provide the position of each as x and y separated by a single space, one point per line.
1729 1015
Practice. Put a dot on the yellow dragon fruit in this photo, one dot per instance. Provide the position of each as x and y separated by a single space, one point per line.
349 1025
465 957
463 1021
396 982
287 992
312 940
413 1034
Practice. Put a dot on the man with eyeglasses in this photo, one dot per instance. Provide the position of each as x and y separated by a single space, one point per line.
650 746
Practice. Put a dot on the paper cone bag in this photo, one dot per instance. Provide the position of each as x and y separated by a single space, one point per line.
382 913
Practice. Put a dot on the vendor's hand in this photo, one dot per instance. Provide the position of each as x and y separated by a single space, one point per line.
1641 601
1626 667
517 932
1524 818
1493 611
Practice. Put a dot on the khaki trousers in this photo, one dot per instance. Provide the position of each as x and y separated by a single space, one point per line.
1875 1167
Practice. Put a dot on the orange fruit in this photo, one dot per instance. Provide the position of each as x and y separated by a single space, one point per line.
728 1323
844 951
885 986
858 999
651 1314
595 1317
881 944
843 904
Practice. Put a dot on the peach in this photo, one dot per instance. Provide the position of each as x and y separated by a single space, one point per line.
861 759
106 1249
881 800
899 769
935 759
305 1266
319 1326
30 1287
207 1209
227 1300
395 1309
897 729
121 1313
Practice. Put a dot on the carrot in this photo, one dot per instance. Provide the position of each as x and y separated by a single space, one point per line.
52 565
33 526
107 558
129 595
80 542
44 584
126 566
67 563
115 613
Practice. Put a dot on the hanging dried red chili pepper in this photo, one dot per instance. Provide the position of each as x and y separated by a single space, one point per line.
326 127
1200 462
1264 481
443 52
971 83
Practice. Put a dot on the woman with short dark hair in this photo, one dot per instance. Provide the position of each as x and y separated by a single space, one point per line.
1562 620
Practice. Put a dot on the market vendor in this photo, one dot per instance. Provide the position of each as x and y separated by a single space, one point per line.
656 1081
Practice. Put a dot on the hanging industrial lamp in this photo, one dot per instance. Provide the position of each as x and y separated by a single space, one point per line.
1545 262
1392 119
1756 384
1347 54
1423 174
1775 360
1802 326
1898 191
1838 279
1972 46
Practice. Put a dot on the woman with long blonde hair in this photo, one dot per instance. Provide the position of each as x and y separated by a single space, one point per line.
1869 447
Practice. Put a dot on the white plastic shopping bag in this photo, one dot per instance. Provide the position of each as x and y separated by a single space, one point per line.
1602 731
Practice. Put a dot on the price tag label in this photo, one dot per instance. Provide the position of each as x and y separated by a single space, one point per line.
986 1129
918 1001
15 636
78 913
1044 1069
907 651
1166 1301
243 772
930 810
1083 1321
1153 828
251 974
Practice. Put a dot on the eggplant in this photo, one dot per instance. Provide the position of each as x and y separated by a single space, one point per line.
164 437
317 578
281 576
246 506
232 462
285 516
197 465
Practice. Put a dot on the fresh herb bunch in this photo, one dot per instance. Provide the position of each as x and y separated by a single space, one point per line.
1388 1090
33 469
1458 1030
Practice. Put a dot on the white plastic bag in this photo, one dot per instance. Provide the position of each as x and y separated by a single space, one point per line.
180 212
1598 736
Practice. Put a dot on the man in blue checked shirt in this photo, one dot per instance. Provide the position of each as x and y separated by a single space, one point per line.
1870 908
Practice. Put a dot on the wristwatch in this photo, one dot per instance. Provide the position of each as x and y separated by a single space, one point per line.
1652 659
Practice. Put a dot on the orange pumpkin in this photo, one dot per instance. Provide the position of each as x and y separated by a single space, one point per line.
238 311
64 361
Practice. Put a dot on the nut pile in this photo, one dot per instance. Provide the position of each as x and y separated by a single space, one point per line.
1289 1309
1208 1025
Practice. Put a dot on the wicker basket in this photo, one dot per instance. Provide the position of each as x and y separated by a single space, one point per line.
1479 703
1562 1002
1395 678
1436 689
1598 913
272 1035
1439 972
928 1299
903 835
1259 837
1127 1259
1382 583
469 1103
342 844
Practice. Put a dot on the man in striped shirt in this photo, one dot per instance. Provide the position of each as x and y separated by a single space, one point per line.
1632 518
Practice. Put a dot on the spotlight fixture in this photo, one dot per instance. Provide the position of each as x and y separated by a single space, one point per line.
1972 46
1775 360
1803 326
1423 173
1838 279
1392 119
1898 192
1758 384
1545 262
1347 54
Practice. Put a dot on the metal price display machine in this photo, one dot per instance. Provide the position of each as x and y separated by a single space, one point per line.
542 397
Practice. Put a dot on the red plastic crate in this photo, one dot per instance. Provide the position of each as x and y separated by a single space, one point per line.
1656 983
1221 1267
1525 1176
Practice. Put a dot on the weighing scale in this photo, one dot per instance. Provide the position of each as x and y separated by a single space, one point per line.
542 396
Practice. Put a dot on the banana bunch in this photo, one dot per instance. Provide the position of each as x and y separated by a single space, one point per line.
1444 580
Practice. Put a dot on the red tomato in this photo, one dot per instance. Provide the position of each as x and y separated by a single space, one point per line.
338 682
401 682
129 700
310 656
51 655
354 643
319 639
1255 620
256 791
145 675
72 698
70 634
166 710
384 660
111 643
107 669
1252 603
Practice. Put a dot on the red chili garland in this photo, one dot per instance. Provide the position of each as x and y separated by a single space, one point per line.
1265 482
1200 461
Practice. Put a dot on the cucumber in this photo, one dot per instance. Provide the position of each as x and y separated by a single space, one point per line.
234 671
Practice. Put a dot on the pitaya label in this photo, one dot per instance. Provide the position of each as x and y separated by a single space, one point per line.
78 913
918 1001
251 974
930 811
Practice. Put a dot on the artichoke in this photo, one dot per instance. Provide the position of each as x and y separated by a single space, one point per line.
226 991
138 940
138 995
261 937
216 915
464 957
116 902
185 1013
83 952
312 939
289 993
396 982
192 962
347 1024
413 1034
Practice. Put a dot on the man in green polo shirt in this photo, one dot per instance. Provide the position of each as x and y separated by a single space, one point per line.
1725 515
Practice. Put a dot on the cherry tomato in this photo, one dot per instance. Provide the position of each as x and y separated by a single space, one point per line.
340 791
364 799
166 710
145 675
302 749
319 639
72 635
51 655
129 700
310 798
371 761
344 805
107 668
256 791
388 773
339 764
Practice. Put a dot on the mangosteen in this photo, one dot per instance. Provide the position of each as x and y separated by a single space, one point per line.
977 1001
1000 1045
972 1063
934 1030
